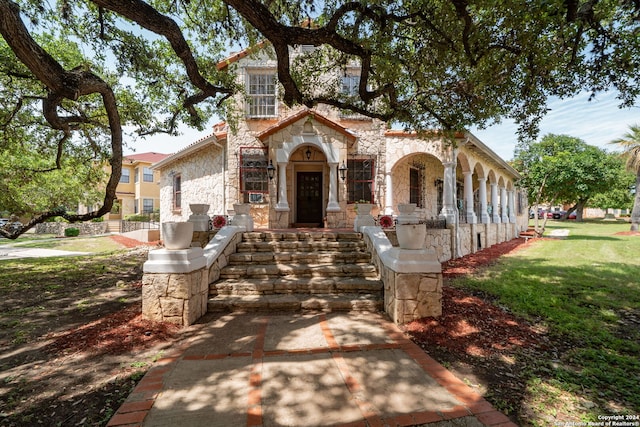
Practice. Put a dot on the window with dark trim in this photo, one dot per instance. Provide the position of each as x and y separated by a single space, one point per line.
253 170
147 175
177 191
360 179
416 187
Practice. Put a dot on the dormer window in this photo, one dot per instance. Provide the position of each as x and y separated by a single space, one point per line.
261 94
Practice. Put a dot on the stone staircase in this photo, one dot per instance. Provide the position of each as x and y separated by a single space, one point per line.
298 271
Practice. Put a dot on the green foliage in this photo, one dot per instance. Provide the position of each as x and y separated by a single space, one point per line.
564 169
81 72
630 143
71 232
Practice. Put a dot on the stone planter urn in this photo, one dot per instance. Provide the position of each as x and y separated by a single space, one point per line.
363 217
199 208
177 235
363 209
407 214
199 216
242 216
411 236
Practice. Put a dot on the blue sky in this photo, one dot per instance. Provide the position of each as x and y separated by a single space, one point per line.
597 122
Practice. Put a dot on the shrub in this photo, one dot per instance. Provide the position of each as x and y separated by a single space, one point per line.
138 217
72 232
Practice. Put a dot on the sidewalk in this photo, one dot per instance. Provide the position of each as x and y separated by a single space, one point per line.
303 370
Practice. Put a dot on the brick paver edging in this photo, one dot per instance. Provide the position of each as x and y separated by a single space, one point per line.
133 411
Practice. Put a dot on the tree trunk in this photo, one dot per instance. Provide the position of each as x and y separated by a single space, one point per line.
635 212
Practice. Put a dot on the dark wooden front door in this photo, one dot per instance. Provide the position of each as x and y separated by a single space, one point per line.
309 197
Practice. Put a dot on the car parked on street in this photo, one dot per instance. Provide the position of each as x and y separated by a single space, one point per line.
558 214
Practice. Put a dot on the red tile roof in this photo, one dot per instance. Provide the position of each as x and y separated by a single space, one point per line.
150 157
300 115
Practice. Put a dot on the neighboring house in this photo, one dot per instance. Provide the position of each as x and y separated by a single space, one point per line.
138 191
324 161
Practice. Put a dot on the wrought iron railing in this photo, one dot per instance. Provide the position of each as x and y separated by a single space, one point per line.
126 226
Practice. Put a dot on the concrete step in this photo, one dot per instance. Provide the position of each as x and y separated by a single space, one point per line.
288 285
301 246
297 270
296 302
304 236
319 257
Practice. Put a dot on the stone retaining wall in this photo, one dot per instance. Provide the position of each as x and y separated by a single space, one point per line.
86 228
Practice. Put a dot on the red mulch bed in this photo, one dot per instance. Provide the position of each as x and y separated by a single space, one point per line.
469 324
131 243
118 333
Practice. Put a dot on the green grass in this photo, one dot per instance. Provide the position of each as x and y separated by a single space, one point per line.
75 244
586 291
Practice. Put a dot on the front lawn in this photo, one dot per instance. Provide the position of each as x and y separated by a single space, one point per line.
584 293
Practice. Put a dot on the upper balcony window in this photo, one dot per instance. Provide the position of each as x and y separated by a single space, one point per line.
261 94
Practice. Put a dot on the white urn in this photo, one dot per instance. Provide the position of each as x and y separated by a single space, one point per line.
411 236
177 235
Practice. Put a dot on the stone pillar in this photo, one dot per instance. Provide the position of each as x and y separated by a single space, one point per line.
504 215
448 209
468 198
482 194
332 204
495 217
283 203
388 195
175 286
512 206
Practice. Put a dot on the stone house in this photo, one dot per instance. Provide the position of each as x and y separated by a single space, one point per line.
300 167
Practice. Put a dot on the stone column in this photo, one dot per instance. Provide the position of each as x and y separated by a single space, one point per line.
332 205
448 212
482 194
468 197
512 206
504 217
495 217
283 203
388 195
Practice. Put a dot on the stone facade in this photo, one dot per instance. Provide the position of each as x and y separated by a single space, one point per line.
453 178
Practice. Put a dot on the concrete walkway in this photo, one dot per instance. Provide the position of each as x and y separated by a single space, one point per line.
15 251
330 369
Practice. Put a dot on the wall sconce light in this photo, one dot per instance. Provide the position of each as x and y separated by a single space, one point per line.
271 170
343 171
308 153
